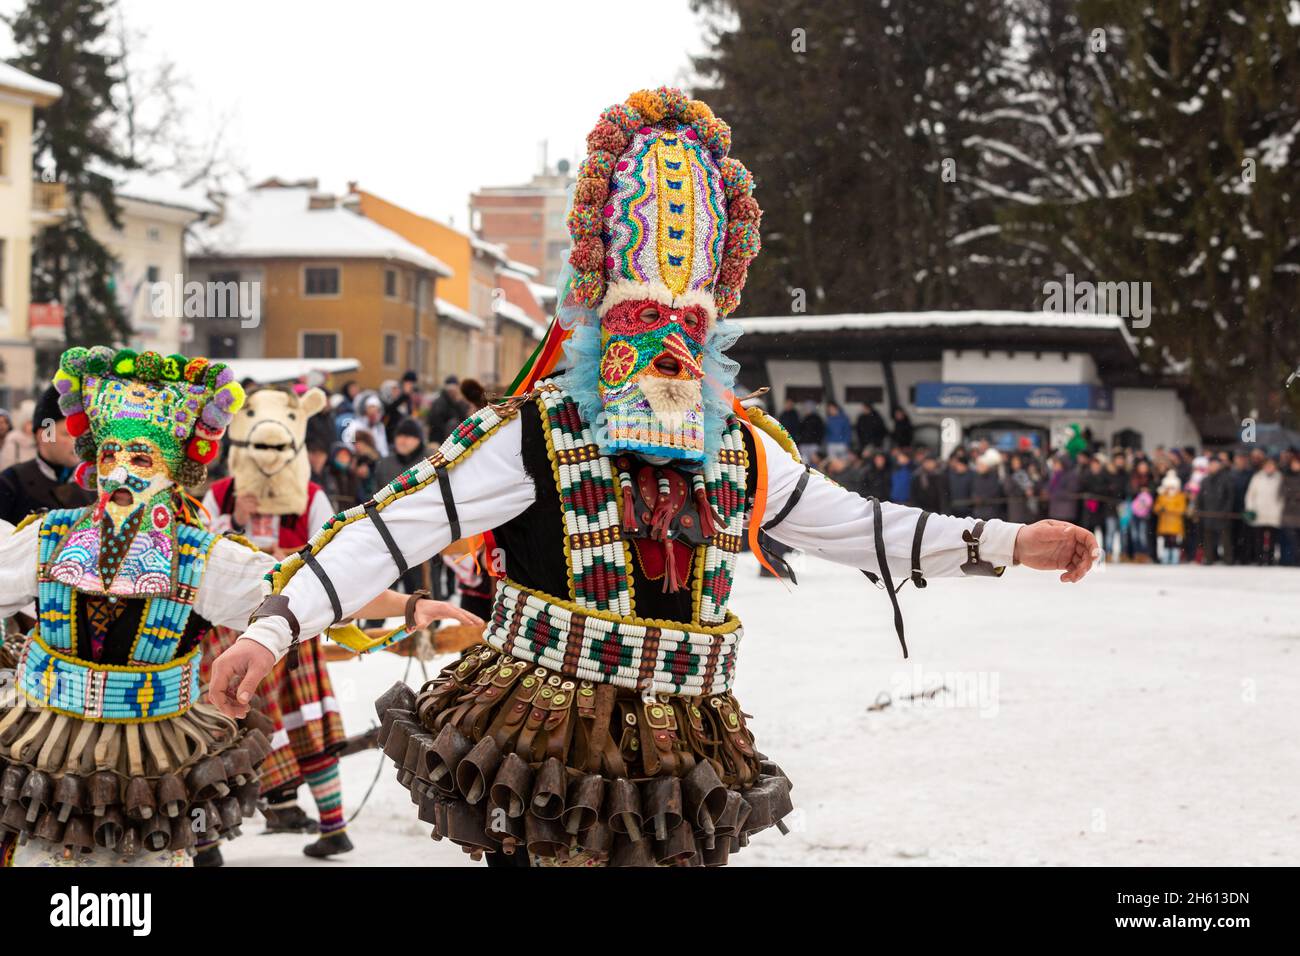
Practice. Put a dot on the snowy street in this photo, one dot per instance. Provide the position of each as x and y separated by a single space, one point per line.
1146 716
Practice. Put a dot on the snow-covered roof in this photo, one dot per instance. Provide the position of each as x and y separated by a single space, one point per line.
522 269
43 91
785 324
489 248
161 189
542 292
513 313
458 315
277 222
271 371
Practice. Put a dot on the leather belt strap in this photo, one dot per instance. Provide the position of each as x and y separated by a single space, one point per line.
448 501
310 560
411 602
882 560
974 563
789 503
918 579
277 605
373 514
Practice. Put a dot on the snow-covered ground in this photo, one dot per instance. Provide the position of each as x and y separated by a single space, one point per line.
1146 716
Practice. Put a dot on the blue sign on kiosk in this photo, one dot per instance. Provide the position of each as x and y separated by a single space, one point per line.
984 396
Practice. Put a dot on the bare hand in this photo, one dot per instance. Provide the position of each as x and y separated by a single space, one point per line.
245 508
1052 545
236 674
427 611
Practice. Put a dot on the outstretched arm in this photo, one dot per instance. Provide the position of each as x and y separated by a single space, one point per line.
233 587
349 571
821 518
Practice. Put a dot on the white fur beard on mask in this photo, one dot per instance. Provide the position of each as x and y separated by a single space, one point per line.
671 398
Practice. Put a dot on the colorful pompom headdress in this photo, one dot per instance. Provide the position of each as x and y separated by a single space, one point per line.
181 405
659 206
660 212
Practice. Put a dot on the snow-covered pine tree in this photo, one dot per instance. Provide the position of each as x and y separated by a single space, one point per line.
851 119
1156 142
67 42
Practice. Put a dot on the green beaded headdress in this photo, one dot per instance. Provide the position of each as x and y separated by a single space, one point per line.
182 405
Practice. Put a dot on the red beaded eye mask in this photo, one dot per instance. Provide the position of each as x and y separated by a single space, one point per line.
645 315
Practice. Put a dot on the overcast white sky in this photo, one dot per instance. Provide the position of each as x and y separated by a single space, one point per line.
421 101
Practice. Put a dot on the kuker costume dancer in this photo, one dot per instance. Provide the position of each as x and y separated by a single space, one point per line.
107 755
596 725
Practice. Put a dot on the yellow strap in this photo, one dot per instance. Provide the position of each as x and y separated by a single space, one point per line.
358 641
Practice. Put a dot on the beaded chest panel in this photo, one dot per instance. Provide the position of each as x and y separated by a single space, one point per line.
166 614
598 554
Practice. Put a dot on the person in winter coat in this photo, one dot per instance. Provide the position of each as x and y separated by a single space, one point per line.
847 471
1290 533
1116 491
405 453
876 482
1264 511
45 481
986 487
365 455
340 477
446 411
1018 488
789 418
811 433
1170 508
372 421
900 479
1142 491
1214 509
929 489
20 444
1242 541
839 431
321 427
1063 491
960 482
404 404
1095 489
871 429
408 450
345 411
902 429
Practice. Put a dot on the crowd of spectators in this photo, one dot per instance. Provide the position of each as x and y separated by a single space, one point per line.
1172 505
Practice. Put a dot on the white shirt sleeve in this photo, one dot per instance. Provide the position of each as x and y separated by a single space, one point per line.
489 488
218 523
232 586
319 511
832 522
18 559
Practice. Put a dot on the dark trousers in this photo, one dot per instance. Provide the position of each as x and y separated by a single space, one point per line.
1263 540
1242 542
1289 538
1216 535
1191 541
